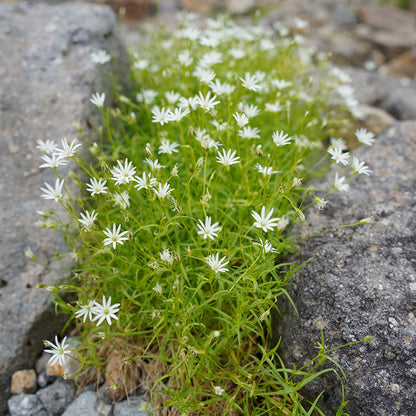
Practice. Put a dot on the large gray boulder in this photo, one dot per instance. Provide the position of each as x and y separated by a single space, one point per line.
46 79
361 281
396 96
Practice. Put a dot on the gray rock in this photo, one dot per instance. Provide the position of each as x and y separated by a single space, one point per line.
361 281
134 406
57 396
44 379
87 403
46 80
396 96
401 101
26 405
375 119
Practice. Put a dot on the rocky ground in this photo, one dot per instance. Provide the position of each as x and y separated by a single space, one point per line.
361 282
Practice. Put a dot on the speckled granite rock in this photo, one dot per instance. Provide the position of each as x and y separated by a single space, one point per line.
361 282
46 80
87 403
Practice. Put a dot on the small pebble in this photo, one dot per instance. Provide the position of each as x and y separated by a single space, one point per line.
23 381
26 405
57 396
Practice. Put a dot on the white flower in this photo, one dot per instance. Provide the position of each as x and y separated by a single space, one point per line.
98 99
88 219
221 89
207 103
250 110
321 203
210 58
338 142
178 114
282 223
122 199
155 314
29 253
86 311
59 351
340 184
172 96
266 44
296 182
337 155
168 147
48 146
207 142
227 158
249 132
123 174
163 190
266 246
147 96
263 221
266 170
185 58
360 167
100 57
217 265
219 391
237 53
280 138
97 186
53 193
158 289
105 311
219 126
154 164
146 181
115 236
205 75
364 136
53 162
208 230
251 82
241 119
68 148
167 256
273 107
141 64
280 83
160 115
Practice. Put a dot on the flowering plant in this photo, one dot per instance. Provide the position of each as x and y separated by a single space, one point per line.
198 181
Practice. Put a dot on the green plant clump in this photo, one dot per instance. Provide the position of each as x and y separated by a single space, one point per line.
187 211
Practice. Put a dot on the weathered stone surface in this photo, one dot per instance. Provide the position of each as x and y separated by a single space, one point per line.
397 97
401 101
385 17
403 65
240 6
46 80
23 381
57 396
360 282
87 403
134 406
26 405
375 119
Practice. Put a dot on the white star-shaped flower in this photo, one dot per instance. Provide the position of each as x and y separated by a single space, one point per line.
263 221
217 265
105 311
53 193
208 230
115 236
59 351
